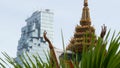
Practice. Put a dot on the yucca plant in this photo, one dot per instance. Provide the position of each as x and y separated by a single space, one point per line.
95 57
99 57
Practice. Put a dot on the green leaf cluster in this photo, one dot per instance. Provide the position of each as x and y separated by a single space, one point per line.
96 57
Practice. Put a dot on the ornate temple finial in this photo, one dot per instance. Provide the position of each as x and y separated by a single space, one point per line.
85 2
85 20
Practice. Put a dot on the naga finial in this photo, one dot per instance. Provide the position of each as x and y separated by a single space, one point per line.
103 32
53 57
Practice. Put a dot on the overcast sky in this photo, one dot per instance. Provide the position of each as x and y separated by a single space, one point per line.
67 14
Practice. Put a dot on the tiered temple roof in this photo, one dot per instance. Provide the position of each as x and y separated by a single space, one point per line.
84 33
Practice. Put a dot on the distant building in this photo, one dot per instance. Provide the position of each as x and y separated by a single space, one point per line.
31 40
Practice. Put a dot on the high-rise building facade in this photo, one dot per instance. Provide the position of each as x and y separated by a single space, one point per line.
32 41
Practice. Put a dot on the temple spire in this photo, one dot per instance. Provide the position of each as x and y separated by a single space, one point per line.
85 2
84 33
85 20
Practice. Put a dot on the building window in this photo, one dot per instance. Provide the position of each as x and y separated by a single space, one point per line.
34 43
38 44
27 50
31 47
31 40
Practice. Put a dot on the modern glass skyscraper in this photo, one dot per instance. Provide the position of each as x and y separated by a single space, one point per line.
32 41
